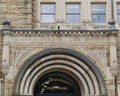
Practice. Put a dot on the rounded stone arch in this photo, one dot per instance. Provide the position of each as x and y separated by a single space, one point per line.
76 65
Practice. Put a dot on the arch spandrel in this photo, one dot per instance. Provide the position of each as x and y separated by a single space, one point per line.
84 52
41 56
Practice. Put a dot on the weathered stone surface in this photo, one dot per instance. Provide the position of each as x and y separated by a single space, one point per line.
11 10
21 45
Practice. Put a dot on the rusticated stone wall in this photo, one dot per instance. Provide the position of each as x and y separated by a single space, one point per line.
19 12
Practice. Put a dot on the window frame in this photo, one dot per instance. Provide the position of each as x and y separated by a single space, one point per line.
52 14
98 14
72 13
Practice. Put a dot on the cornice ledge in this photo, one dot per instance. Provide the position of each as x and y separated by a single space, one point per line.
32 32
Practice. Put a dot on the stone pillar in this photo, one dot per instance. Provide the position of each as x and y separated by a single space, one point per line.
0 88
1 93
84 10
5 58
113 63
58 10
60 14
118 88
113 51
37 9
5 51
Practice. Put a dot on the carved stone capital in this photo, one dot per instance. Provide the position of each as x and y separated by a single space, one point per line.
1 74
6 33
114 70
5 69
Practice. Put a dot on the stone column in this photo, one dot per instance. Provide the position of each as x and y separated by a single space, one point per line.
113 62
37 9
113 51
1 80
5 51
0 88
5 56
118 88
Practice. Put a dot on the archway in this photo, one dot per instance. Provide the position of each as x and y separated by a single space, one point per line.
81 69
56 84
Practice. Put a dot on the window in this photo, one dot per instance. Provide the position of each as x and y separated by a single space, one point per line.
48 13
72 13
98 13
118 12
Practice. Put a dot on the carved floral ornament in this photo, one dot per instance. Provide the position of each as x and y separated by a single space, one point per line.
100 55
20 54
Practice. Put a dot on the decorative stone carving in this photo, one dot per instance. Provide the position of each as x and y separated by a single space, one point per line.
20 54
5 69
100 55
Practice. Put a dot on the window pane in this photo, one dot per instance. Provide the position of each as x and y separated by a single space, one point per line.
47 18
72 13
118 12
73 8
98 8
73 18
48 8
98 18
118 18
98 13
118 8
48 13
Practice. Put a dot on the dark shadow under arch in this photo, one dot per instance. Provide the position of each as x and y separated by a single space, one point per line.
55 83
44 53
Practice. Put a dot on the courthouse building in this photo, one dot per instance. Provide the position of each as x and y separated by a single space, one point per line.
59 47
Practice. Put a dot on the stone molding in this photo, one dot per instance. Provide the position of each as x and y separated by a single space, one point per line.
27 32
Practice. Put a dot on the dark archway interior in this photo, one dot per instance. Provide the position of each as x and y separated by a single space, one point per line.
56 84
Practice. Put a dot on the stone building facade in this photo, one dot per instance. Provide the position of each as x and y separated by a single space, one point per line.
48 49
